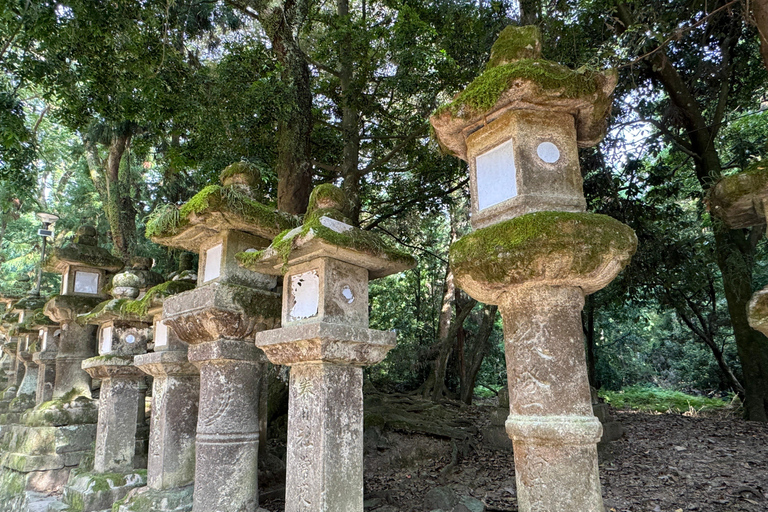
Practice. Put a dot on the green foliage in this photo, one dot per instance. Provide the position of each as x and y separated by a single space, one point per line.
651 399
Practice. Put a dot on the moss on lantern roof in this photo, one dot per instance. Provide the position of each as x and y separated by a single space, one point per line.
169 220
246 172
30 303
37 319
749 181
515 43
483 93
355 238
328 197
86 255
517 250
141 306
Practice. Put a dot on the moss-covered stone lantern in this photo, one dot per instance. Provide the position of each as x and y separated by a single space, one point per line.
85 269
46 360
536 254
324 338
25 331
519 126
218 320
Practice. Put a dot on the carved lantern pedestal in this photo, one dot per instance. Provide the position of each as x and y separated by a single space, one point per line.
326 341
218 320
536 254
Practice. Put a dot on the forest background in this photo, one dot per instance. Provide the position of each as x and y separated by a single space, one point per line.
112 110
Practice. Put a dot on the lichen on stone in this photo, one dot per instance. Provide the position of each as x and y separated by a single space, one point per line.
520 249
80 254
751 180
328 197
515 43
244 173
141 306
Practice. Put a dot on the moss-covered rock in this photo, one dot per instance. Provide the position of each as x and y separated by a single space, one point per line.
515 43
69 409
241 173
543 248
155 295
328 197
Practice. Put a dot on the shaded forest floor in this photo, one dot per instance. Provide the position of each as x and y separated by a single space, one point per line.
664 463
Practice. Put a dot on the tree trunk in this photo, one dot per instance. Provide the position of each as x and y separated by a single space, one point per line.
350 118
121 212
282 21
529 11
480 346
760 15
588 319
437 380
735 258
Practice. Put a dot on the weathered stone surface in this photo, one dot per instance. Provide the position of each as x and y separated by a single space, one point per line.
526 82
325 438
551 423
175 396
321 342
76 343
92 492
47 448
227 441
221 310
148 499
469 504
119 403
740 199
758 311
555 249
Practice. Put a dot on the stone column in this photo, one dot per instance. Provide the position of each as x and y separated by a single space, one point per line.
76 344
175 392
551 423
324 469
118 410
218 321
46 363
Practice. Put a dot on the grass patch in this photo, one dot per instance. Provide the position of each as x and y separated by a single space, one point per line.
652 399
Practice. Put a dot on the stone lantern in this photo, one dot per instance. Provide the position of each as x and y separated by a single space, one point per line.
325 340
740 201
120 435
85 269
31 322
536 254
218 319
175 392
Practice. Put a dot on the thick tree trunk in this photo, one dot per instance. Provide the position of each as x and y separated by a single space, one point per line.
588 320
121 212
282 21
436 390
760 15
529 11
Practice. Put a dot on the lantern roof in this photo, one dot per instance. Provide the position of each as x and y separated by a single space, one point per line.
517 78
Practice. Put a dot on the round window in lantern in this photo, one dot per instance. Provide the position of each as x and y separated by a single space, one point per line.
348 295
548 152
130 338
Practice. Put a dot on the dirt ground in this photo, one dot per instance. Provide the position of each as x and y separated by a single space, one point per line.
664 463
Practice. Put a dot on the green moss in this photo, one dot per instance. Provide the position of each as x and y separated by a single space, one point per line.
140 307
358 239
516 249
515 43
167 222
246 171
76 303
106 310
328 196
751 180
86 255
72 408
483 93
652 399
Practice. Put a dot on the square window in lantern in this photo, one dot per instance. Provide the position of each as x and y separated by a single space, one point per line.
87 282
212 263
305 292
106 340
496 176
161 334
